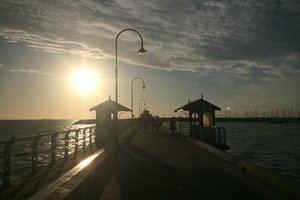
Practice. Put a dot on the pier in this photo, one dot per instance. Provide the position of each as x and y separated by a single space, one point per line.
157 165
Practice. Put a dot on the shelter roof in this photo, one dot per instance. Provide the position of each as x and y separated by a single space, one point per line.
109 106
199 104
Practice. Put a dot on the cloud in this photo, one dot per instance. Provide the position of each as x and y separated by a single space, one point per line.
248 40
29 71
52 46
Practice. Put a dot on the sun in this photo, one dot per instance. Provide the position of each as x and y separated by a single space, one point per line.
84 80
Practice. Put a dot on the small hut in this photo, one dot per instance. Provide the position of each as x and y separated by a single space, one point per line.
106 121
202 122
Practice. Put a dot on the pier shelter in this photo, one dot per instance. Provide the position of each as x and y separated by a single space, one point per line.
106 121
202 123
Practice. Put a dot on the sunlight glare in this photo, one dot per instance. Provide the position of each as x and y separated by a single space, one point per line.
84 80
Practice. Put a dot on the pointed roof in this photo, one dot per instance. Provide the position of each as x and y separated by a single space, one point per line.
199 104
109 106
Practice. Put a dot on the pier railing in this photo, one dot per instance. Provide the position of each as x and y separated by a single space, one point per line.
23 155
215 135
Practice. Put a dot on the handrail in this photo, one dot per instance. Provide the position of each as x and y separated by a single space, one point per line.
35 146
219 137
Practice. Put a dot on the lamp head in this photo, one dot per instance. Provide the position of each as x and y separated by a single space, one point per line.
142 51
144 87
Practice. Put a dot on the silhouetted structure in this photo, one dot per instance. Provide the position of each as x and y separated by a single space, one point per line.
106 121
202 123
145 119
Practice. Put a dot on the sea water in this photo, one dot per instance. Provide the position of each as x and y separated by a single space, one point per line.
273 146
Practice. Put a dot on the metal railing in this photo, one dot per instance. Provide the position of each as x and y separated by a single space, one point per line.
184 129
220 135
25 154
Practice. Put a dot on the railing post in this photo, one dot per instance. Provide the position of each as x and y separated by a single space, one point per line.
76 140
53 148
180 129
84 138
6 162
91 136
217 132
224 135
67 144
34 153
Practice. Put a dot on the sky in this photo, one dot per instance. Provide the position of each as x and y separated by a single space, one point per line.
241 55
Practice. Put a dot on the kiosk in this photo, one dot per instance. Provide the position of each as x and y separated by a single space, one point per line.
202 123
107 121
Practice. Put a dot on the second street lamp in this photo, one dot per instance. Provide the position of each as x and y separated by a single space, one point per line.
140 105
144 86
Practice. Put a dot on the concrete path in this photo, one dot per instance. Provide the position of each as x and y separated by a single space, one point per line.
159 166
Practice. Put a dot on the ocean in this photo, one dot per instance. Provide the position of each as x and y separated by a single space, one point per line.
273 146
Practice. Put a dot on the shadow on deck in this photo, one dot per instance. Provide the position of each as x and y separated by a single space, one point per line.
159 166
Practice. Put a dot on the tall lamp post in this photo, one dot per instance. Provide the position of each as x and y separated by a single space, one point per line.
136 78
142 51
140 105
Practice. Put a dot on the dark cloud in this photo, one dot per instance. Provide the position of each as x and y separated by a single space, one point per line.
183 35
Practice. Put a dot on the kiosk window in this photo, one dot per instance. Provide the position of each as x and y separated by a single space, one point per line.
207 119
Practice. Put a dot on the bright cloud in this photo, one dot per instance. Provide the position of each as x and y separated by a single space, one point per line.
29 71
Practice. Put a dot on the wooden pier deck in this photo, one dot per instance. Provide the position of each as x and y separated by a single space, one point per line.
159 166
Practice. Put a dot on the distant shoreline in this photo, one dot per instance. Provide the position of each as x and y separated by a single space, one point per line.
275 120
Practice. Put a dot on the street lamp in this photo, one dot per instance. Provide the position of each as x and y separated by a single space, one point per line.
132 92
140 105
142 51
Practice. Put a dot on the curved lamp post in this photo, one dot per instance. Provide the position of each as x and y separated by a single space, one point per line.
140 105
142 51
132 92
